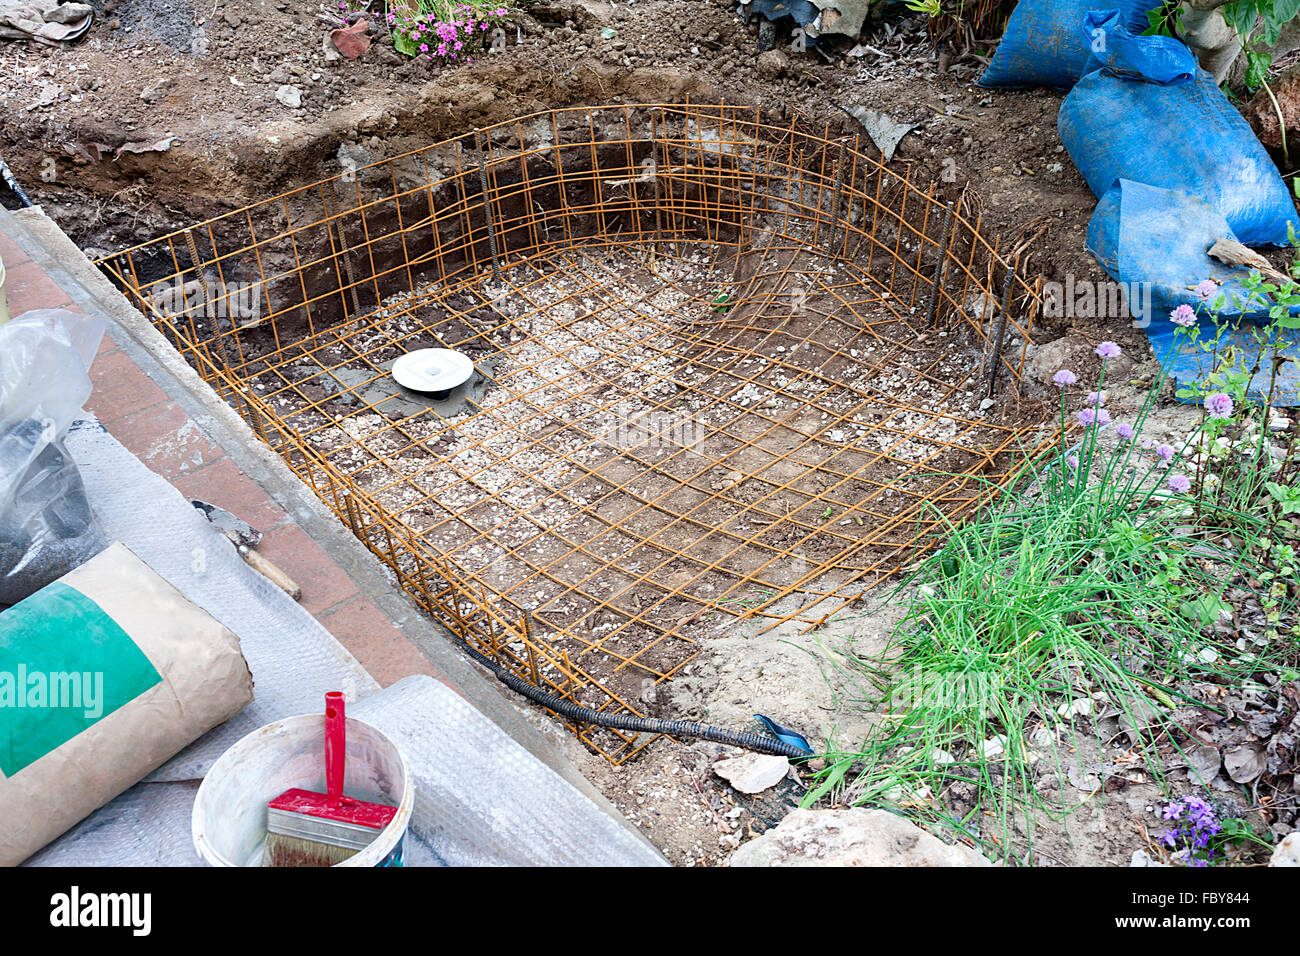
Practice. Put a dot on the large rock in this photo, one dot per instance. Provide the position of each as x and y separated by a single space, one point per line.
1287 852
1078 355
857 837
1262 116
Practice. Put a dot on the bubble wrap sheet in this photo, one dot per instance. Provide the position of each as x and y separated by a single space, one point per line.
481 798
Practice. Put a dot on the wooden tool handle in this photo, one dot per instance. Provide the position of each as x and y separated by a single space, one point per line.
276 576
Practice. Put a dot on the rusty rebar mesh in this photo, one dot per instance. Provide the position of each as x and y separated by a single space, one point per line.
730 370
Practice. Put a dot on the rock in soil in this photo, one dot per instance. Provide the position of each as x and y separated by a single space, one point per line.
1287 852
856 837
290 96
773 64
1075 353
753 773
1142 858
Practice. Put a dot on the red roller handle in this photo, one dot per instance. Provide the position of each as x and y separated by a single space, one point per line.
336 743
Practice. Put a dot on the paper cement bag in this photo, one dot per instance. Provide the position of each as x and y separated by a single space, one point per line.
104 675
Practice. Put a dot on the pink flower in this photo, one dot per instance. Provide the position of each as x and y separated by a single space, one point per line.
1063 378
1206 289
1184 315
1125 431
1108 350
1164 453
1073 462
1219 405
424 48
1179 483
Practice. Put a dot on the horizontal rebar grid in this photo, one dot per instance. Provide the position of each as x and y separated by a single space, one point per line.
731 370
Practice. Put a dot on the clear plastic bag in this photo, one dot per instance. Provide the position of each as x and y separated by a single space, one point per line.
47 526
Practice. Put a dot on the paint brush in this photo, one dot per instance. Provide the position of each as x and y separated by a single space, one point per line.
304 828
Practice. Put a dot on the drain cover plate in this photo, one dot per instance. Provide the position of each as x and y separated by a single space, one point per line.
432 370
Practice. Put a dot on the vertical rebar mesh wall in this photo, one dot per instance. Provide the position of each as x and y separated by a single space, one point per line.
800 307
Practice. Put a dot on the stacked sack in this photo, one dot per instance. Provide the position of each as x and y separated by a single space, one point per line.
1144 111
1042 45
1173 163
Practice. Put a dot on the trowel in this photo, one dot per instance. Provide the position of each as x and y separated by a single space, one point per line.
245 538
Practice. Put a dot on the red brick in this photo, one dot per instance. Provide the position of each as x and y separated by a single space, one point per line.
224 485
373 640
27 287
106 345
11 254
166 440
120 387
323 583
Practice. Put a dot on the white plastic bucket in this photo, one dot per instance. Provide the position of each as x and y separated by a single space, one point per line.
229 822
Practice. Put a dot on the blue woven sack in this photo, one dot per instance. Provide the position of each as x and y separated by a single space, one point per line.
1149 114
1042 45
1154 242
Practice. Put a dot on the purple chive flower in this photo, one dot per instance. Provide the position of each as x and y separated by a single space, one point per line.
1218 405
1125 431
1073 462
1206 289
1063 378
1108 350
1184 315
1094 416
1164 453
1096 398
1179 483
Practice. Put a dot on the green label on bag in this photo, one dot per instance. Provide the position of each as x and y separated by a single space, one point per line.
65 665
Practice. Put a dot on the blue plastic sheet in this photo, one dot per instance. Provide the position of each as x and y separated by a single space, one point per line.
1042 45
802 11
1154 241
1149 114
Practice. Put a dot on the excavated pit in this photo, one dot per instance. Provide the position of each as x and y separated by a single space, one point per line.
724 370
